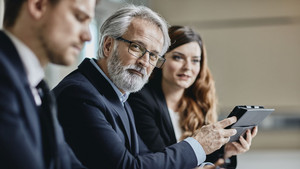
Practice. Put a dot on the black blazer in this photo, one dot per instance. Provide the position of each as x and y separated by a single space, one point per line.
93 119
154 123
21 138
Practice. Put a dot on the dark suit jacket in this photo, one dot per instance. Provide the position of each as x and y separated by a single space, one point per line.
20 129
153 120
93 119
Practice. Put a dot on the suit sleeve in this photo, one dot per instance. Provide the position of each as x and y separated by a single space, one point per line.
146 117
67 158
96 142
17 149
75 163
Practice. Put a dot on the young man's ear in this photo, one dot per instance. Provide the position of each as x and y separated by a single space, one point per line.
108 46
37 8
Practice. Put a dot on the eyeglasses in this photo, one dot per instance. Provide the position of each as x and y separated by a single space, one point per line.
139 51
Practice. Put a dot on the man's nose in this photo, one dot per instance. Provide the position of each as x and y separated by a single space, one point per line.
144 60
86 34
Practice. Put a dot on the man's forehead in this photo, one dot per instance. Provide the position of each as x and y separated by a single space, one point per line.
85 6
145 31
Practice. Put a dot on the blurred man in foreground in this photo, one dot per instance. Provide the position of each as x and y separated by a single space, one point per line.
37 32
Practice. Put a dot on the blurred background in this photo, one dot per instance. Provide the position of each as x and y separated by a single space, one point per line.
254 54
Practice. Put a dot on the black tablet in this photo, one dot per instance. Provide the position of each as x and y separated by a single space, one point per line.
247 118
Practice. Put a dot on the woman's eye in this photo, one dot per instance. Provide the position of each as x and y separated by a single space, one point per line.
196 60
176 57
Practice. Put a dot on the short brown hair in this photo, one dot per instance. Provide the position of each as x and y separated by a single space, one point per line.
12 10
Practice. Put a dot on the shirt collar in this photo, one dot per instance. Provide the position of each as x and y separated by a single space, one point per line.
123 97
34 71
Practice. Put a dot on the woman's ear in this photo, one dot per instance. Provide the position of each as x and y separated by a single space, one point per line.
37 8
108 45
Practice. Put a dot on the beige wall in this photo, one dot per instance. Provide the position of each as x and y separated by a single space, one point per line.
253 47
1 12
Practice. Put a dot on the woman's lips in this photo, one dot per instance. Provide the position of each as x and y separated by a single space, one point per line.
183 76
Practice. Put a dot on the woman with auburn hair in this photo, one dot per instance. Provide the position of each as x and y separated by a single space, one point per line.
180 98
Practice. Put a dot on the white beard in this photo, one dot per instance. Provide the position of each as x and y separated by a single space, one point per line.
122 78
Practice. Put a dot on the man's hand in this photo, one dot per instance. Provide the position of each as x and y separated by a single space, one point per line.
213 136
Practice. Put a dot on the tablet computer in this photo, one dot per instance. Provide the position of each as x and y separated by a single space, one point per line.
247 118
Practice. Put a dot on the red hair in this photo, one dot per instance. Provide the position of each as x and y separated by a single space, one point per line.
197 107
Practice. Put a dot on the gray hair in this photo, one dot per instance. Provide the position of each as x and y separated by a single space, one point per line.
117 24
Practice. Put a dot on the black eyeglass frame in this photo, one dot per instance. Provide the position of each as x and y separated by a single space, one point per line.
160 61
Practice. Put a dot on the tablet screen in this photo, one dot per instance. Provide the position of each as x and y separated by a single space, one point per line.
247 118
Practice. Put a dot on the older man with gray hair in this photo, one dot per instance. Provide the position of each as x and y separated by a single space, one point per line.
98 122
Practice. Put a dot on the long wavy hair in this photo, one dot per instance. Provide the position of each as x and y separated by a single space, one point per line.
197 107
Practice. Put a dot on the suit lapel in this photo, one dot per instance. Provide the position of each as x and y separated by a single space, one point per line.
161 101
19 74
134 138
104 88
121 112
31 111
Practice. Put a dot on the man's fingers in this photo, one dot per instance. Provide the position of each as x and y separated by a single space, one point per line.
229 132
226 122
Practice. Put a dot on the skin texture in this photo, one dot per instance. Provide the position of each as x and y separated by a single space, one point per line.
142 32
180 71
70 21
182 66
213 136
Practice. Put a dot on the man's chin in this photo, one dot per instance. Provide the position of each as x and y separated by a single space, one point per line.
64 60
133 87
70 59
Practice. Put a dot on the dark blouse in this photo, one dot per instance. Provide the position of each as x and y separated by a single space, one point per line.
154 124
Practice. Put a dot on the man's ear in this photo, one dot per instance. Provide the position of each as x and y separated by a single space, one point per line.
37 8
108 46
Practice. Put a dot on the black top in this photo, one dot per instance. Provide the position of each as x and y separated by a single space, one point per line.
153 121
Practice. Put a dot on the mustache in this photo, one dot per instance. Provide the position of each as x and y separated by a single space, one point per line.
142 70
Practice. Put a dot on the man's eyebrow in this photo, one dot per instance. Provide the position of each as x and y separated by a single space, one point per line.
143 44
83 12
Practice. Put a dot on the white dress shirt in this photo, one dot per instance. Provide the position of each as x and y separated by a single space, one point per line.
33 69
175 123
